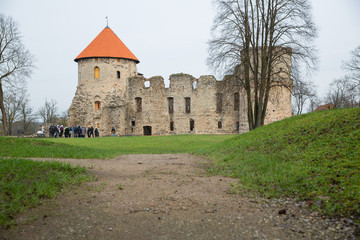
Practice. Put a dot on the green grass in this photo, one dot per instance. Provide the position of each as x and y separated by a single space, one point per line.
25 183
313 157
106 147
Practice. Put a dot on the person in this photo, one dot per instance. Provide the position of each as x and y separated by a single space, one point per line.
67 134
96 132
51 131
88 132
83 131
61 130
91 132
56 129
79 131
113 132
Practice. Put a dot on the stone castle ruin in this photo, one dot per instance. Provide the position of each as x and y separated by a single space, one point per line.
111 93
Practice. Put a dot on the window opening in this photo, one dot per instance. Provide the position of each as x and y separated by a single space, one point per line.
219 124
194 85
172 126
171 105
236 101
192 124
138 104
133 123
187 105
97 105
237 126
219 102
96 72
118 74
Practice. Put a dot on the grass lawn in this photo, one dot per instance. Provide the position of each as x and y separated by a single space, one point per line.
313 157
25 183
105 147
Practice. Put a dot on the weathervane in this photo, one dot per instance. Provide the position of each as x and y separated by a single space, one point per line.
107 21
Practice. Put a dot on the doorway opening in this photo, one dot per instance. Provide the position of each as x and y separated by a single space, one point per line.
147 130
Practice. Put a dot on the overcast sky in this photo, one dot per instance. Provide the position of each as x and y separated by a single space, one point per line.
167 36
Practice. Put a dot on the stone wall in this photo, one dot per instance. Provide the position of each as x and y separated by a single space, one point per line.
202 93
216 107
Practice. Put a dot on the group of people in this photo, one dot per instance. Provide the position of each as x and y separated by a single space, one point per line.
60 130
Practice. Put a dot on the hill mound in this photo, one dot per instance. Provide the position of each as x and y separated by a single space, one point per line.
313 157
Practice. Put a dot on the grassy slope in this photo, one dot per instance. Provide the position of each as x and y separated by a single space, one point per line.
313 156
24 183
106 147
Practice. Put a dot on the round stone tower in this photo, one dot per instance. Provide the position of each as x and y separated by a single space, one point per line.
103 69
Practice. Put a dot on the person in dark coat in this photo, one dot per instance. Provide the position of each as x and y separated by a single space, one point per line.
79 131
96 132
56 131
91 131
83 131
67 134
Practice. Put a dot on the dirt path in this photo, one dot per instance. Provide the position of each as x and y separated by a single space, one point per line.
168 197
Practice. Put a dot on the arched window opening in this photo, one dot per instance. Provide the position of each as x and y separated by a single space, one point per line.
96 72
97 105
236 101
118 74
138 104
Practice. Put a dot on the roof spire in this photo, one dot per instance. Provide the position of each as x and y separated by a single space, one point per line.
107 21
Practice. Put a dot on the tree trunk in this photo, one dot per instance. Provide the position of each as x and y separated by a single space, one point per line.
3 112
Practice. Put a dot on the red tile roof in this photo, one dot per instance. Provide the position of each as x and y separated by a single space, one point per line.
107 44
328 106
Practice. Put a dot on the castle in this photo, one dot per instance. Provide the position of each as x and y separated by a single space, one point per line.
111 93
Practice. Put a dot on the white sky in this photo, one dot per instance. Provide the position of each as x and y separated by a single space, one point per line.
167 36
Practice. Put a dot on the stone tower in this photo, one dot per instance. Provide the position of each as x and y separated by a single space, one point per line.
103 69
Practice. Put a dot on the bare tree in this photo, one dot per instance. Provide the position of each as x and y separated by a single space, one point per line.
48 112
13 100
342 93
315 102
27 117
353 67
302 92
16 62
63 118
267 39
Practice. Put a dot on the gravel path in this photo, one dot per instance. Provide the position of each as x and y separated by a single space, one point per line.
169 197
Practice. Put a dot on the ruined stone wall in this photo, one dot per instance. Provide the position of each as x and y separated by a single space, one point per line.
203 106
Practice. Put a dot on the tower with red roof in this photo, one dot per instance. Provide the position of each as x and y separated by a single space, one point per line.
104 67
